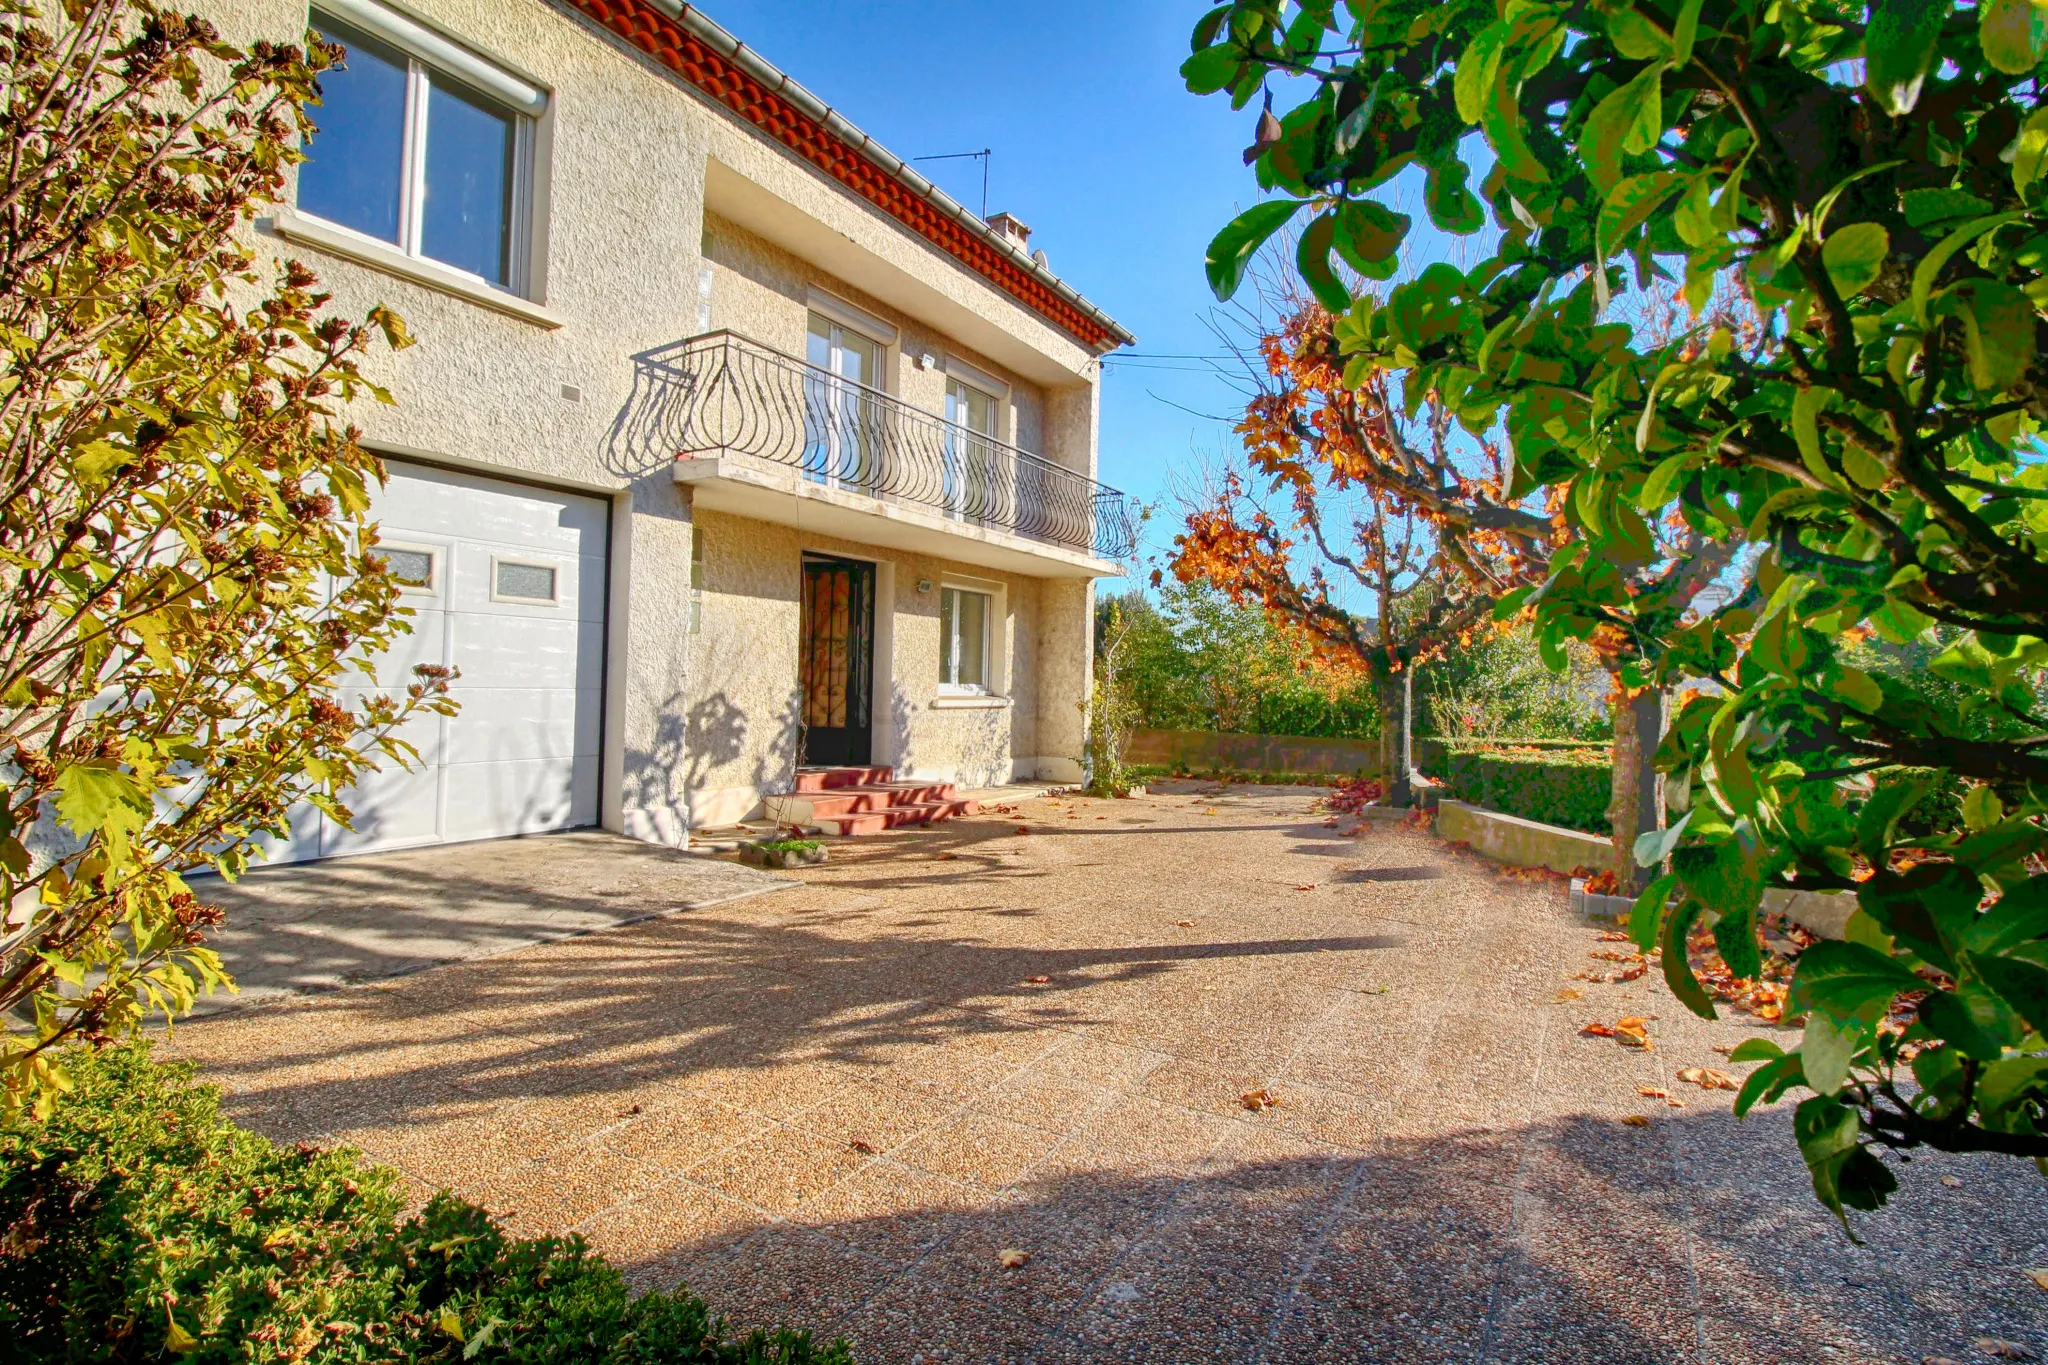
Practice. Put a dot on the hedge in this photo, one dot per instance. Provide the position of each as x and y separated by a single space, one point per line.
1559 787
138 1224
1432 752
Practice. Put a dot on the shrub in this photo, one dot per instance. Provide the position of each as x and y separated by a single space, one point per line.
187 541
139 1221
1568 787
1432 754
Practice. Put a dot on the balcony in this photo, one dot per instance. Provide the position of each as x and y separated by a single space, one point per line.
765 435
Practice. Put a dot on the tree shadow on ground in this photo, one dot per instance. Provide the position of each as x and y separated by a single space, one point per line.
1571 1240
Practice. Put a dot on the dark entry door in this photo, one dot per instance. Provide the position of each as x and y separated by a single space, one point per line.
835 661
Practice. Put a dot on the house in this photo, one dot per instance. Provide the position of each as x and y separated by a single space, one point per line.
730 445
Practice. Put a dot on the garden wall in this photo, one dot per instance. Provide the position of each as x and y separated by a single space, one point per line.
1203 750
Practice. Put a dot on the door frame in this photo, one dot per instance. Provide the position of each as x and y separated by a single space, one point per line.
885 744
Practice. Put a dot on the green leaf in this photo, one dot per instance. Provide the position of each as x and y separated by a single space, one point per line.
1368 231
1619 119
1882 812
1500 118
1685 31
97 796
1677 971
2014 35
1998 323
1827 1048
1755 1050
2020 916
2023 985
1451 206
1854 257
1971 1019
1636 38
1312 258
1647 914
1653 846
1926 207
1860 690
1210 69
1769 1081
1477 69
2030 153
1898 50
1929 270
1231 250
1850 980
1627 205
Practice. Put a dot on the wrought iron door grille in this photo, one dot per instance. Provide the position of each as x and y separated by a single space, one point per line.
723 392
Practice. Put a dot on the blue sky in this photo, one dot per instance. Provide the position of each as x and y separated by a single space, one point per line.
1122 175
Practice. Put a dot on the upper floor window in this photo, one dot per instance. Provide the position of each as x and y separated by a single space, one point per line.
421 144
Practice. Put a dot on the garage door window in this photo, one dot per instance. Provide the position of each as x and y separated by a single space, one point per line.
515 580
412 567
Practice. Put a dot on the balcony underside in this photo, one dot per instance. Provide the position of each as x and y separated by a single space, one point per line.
764 490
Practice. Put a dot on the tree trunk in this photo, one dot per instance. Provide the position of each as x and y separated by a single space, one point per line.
1637 805
1395 752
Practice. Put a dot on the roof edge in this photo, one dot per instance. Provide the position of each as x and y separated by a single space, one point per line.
781 85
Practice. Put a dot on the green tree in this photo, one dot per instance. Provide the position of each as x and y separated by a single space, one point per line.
1869 181
184 557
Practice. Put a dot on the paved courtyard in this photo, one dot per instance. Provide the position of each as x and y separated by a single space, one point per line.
837 1106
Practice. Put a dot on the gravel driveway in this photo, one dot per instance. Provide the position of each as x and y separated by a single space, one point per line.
838 1106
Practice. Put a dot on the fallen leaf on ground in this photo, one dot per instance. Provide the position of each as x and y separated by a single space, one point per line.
1596 1029
1614 938
1724 1048
1707 1078
1255 1100
2039 1277
1304 886
1023 829
1566 994
945 857
1210 811
1037 980
1012 1258
1951 1182
2004 1350
1630 1032
1636 1120
1183 924
1651 1092
861 1145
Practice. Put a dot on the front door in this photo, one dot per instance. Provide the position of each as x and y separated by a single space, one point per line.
834 661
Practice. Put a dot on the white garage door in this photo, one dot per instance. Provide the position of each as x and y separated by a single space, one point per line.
511 588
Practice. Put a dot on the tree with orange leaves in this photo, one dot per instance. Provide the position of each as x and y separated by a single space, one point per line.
1421 532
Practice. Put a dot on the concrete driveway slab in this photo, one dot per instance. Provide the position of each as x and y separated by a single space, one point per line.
317 926
836 1107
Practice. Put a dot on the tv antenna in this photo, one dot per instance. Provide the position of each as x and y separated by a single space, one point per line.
984 156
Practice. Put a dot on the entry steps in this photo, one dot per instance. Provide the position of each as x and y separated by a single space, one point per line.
852 801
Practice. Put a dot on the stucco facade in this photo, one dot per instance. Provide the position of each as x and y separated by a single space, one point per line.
654 214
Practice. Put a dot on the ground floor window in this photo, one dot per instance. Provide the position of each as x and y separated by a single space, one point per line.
963 641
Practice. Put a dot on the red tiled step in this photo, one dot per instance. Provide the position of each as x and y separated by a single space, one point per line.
826 779
804 808
895 817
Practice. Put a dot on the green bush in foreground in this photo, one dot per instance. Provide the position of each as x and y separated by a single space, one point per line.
138 1222
1567 787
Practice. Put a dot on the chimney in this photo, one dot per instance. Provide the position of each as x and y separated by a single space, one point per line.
1011 230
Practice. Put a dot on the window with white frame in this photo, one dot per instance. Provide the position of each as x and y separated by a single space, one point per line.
422 145
965 618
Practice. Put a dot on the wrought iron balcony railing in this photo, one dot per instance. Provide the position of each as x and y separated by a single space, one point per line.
722 392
